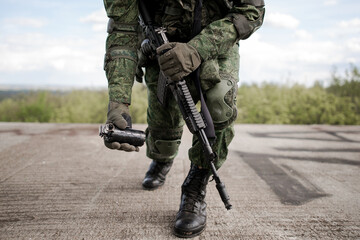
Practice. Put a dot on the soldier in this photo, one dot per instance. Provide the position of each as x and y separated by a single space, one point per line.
215 50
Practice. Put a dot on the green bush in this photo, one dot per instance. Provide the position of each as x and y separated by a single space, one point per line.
337 104
271 104
139 103
81 106
32 107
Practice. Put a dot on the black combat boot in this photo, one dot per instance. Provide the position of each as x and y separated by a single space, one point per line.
191 218
155 176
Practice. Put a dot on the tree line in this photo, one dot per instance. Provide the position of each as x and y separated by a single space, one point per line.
336 104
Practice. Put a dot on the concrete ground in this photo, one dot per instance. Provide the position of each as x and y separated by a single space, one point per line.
58 181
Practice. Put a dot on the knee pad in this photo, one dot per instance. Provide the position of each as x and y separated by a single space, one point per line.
161 150
221 101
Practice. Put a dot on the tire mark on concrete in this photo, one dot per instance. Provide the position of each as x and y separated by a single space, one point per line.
318 149
286 135
289 190
60 131
309 185
311 159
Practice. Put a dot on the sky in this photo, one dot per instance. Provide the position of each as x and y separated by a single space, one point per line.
62 43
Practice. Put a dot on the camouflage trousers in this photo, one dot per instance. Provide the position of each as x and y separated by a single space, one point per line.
219 78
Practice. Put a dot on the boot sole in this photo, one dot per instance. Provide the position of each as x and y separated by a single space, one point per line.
151 188
183 234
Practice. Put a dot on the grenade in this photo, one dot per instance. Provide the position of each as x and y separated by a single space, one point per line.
110 133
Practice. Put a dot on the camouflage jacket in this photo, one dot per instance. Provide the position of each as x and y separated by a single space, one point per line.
224 23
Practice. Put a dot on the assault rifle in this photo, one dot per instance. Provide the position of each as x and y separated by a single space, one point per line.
193 118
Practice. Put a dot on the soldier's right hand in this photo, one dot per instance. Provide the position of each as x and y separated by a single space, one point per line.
118 114
177 60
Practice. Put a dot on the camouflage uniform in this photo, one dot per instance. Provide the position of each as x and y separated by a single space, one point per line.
223 26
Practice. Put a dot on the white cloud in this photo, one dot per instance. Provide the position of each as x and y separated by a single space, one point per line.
303 34
344 29
98 20
352 24
288 54
281 20
330 2
29 52
316 52
72 61
301 61
67 60
25 22
353 44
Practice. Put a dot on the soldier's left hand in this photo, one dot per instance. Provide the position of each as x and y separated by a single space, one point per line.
118 114
177 60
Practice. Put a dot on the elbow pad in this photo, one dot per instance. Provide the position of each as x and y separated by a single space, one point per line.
247 16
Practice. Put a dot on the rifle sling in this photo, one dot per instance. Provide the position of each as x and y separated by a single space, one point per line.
209 130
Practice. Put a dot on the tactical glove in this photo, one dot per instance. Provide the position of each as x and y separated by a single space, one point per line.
177 60
118 114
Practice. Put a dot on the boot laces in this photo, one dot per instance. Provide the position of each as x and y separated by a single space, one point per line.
194 193
190 202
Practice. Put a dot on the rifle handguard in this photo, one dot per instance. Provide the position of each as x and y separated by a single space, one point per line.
131 136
